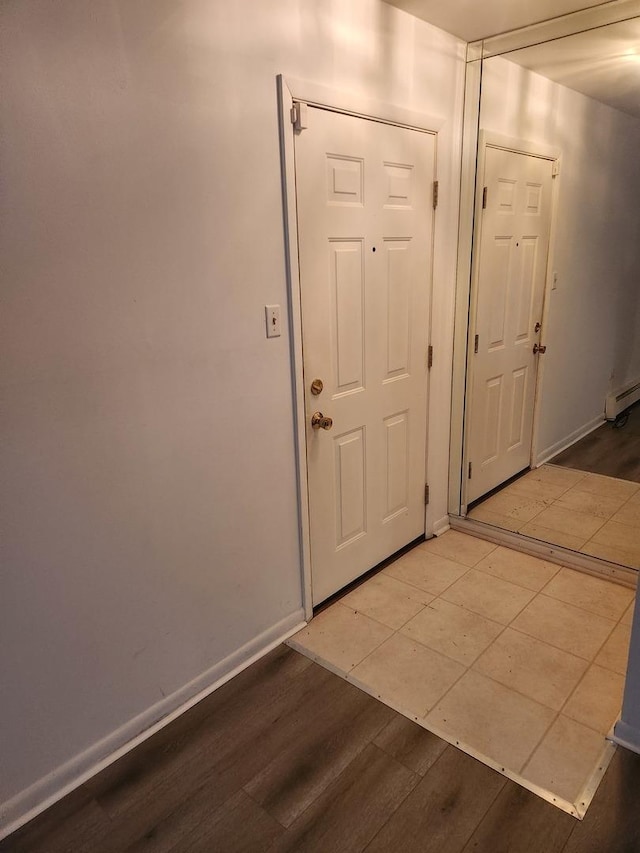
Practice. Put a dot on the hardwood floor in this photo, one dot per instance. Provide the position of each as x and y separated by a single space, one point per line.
289 757
607 450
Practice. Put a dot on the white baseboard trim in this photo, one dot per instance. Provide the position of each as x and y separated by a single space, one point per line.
441 526
566 442
49 789
627 736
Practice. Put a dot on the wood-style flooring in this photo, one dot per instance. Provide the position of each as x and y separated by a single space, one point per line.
289 757
607 450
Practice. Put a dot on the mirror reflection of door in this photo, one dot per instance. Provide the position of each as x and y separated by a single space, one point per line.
515 222
579 95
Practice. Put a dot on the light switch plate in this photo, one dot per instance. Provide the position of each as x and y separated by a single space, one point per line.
272 317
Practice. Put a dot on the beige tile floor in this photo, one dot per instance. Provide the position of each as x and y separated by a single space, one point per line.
517 660
590 513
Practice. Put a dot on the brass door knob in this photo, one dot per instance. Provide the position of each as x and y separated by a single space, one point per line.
539 349
318 421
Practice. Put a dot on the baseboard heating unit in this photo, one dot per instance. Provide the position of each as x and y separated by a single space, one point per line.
621 400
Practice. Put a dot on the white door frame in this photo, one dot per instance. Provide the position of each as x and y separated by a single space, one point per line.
290 90
489 139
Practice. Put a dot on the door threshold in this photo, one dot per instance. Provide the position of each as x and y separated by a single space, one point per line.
368 574
623 575
497 489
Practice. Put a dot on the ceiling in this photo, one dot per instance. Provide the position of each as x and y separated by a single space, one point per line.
602 63
476 19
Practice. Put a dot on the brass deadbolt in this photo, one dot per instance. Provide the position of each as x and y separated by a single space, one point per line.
316 387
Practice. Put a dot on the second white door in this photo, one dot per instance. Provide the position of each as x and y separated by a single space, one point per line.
365 222
513 250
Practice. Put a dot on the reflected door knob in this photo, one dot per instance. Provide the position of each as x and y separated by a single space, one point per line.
318 421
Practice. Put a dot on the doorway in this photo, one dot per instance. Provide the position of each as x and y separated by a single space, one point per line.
513 234
365 225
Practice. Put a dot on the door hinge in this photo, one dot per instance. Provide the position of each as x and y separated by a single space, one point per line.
484 198
476 341
426 494
555 169
470 469
436 188
430 357
299 116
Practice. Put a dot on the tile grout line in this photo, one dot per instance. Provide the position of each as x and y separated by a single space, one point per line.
398 630
519 585
516 776
513 775
556 713
570 696
469 666
615 620
555 504
590 661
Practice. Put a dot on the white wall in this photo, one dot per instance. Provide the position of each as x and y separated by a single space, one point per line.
150 534
593 330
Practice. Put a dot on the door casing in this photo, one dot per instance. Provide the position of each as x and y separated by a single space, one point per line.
290 90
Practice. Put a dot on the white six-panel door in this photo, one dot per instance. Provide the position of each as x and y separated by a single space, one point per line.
514 244
365 222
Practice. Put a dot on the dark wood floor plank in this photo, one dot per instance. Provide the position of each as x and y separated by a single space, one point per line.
442 812
179 824
48 821
284 728
261 683
612 822
318 754
82 830
517 820
352 809
614 452
234 755
245 759
145 791
227 748
411 744
240 826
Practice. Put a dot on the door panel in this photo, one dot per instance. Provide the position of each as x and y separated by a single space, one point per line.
365 224
397 287
513 248
350 487
347 272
